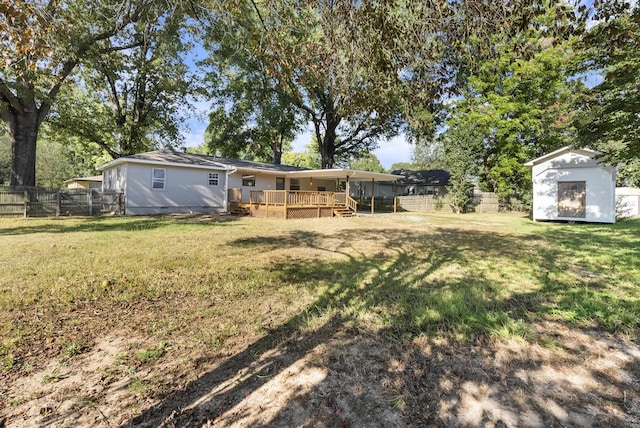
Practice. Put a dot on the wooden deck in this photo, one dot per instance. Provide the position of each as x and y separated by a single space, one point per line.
292 204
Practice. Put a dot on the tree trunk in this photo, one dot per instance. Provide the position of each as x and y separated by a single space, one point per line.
23 129
327 145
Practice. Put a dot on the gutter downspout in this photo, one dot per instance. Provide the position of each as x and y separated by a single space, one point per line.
228 172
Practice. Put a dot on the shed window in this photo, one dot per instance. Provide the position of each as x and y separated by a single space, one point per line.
158 178
213 179
572 199
249 180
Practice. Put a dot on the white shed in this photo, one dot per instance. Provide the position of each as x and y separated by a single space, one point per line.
628 202
572 185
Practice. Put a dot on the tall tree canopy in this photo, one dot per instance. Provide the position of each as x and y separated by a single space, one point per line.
357 70
608 115
130 101
516 104
42 43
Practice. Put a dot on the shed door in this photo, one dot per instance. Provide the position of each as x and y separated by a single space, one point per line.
571 199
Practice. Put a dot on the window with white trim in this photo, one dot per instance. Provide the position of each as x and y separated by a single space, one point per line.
158 178
213 179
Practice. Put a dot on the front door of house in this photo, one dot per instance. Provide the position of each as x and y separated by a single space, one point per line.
279 183
572 199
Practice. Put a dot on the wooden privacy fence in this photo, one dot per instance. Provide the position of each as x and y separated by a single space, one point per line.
39 202
481 202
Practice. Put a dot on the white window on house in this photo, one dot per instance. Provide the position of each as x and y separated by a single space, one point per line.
294 184
213 179
158 178
249 180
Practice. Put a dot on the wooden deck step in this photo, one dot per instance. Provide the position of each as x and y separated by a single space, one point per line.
343 212
241 211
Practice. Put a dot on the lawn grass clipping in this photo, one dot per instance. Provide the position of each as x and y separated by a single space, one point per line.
213 285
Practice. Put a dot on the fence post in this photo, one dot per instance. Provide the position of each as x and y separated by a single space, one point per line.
26 204
58 203
119 203
90 196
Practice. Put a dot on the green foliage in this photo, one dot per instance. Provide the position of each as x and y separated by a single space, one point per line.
516 107
130 101
151 354
428 154
367 162
463 149
310 158
608 117
254 117
403 165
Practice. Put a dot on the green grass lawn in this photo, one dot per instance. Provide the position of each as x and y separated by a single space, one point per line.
212 284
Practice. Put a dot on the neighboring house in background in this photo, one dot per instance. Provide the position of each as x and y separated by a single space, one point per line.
94 182
166 181
627 202
425 182
572 185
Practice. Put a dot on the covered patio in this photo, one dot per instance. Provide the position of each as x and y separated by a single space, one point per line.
296 204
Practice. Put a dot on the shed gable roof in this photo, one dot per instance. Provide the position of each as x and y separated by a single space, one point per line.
567 149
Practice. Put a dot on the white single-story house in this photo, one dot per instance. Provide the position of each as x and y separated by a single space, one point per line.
627 202
167 181
573 185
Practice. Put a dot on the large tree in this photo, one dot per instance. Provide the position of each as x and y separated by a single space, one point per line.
42 44
518 101
131 101
608 115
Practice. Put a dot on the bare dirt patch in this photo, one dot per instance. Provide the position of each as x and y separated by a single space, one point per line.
334 375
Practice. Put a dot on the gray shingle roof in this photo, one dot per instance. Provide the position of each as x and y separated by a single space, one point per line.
431 177
213 161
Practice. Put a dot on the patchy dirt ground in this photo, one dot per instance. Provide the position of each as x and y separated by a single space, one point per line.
335 376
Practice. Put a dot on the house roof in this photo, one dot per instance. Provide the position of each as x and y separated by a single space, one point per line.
190 160
95 178
172 157
566 149
431 177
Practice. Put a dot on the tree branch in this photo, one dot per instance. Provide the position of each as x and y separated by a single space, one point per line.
9 98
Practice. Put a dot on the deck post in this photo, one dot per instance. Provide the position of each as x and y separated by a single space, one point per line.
373 191
266 200
286 204
251 203
395 197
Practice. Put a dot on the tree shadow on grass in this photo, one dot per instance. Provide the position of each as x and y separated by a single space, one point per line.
112 224
379 345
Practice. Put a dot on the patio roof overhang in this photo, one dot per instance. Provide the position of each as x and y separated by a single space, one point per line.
344 174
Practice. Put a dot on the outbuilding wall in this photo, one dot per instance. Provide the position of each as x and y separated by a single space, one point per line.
572 167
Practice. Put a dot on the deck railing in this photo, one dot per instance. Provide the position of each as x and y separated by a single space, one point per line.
301 198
